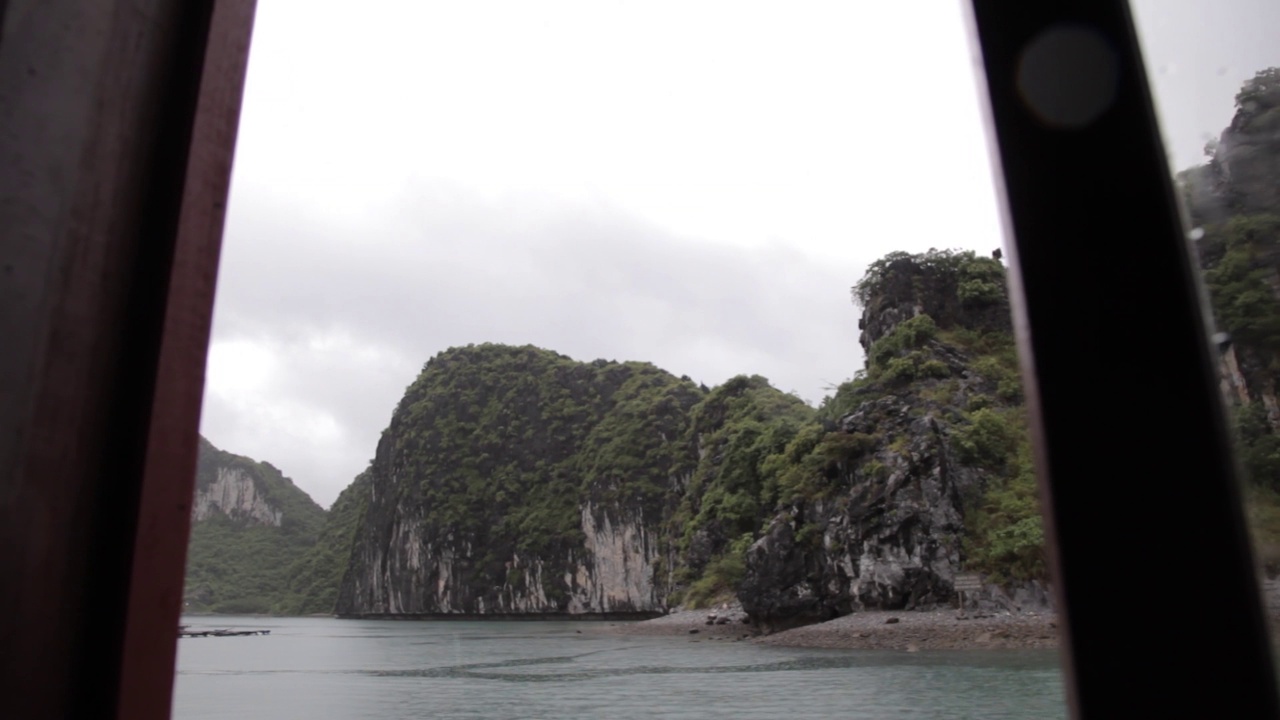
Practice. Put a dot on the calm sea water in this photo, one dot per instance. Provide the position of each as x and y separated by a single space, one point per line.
326 669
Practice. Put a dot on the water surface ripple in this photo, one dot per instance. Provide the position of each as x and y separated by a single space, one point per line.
326 669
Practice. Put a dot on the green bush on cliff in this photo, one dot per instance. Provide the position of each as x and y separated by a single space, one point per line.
1233 200
1257 445
848 395
982 281
914 366
839 447
982 278
1005 532
632 453
313 579
907 336
1003 372
989 440
794 473
1239 278
736 428
722 576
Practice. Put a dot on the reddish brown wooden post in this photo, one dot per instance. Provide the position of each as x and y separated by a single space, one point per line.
164 513
117 123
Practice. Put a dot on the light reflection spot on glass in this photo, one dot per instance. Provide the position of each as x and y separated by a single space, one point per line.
1067 76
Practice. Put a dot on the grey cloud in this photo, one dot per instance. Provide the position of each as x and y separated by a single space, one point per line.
585 281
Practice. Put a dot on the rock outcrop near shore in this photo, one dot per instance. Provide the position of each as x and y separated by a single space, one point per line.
931 428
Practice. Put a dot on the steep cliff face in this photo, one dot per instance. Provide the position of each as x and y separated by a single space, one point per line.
250 524
917 444
234 493
1234 203
1234 200
518 481
248 492
611 572
1245 163
515 480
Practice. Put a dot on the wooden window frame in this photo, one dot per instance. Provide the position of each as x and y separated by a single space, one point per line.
117 131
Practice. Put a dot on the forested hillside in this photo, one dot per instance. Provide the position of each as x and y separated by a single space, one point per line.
516 480
250 524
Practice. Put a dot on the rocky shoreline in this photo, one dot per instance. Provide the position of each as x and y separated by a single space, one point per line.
904 630
929 630
945 629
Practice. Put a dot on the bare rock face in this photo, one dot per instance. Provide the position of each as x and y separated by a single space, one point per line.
611 573
889 540
234 492
247 492
887 531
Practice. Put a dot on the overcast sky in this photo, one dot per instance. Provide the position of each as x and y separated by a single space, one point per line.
694 184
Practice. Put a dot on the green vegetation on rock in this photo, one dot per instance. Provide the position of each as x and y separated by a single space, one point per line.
735 429
1234 201
500 460
504 443
254 525
506 448
314 578
1004 535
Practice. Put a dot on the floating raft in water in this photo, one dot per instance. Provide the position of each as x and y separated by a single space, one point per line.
184 632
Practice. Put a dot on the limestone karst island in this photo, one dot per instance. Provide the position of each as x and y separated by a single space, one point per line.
518 482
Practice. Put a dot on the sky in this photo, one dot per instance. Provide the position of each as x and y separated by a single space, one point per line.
693 184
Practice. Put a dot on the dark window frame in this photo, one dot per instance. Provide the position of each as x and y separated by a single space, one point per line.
107 295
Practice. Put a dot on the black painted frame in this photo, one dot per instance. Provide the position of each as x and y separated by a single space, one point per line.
1156 581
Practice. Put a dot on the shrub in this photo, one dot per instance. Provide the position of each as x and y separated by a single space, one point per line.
988 441
1005 533
846 447
908 335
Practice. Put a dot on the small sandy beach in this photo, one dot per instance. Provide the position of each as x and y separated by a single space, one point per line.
909 630
929 630
872 630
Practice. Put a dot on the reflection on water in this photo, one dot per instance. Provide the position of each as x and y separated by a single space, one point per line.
324 668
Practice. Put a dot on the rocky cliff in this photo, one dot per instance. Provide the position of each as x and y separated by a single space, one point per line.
518 481
920 447
233 492
1233 204
250 524
513 480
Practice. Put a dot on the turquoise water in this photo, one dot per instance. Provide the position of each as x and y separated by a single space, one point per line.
323 669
